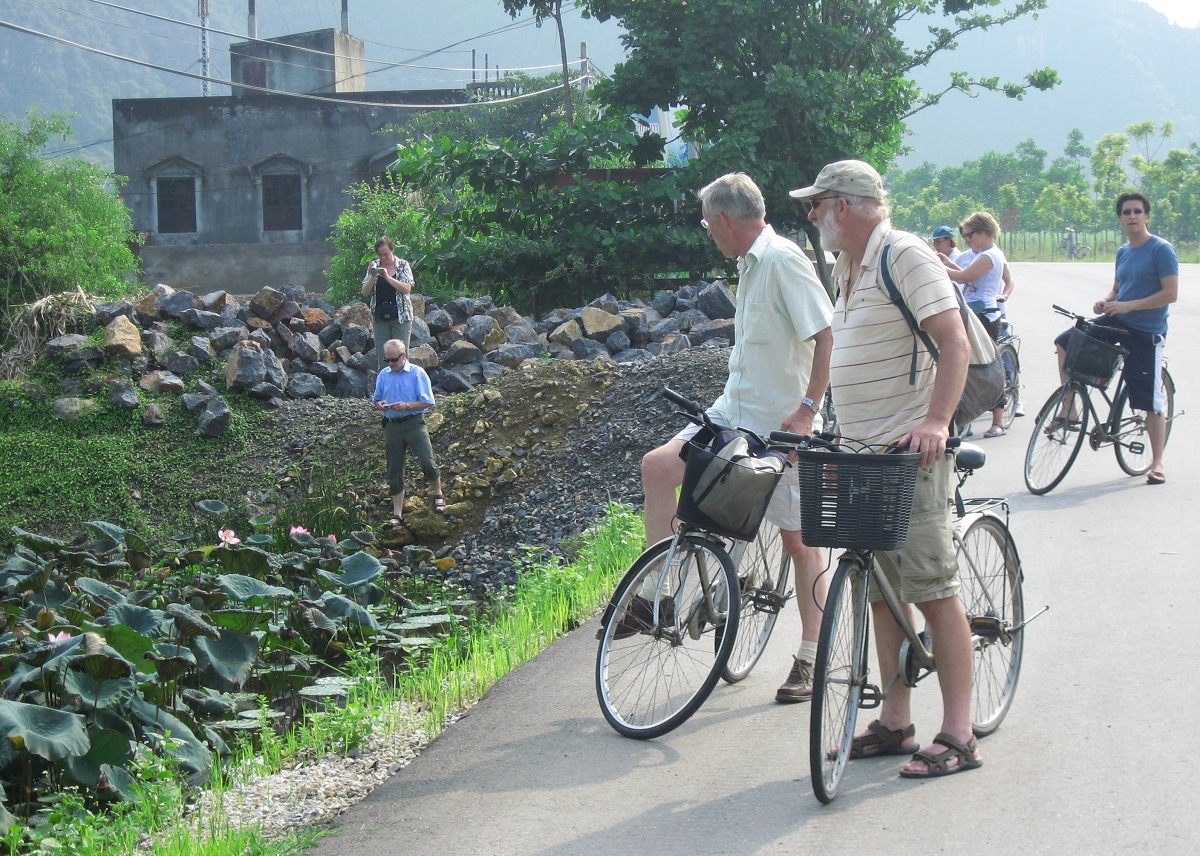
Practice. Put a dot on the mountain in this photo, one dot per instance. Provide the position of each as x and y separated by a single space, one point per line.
1121 62
420 42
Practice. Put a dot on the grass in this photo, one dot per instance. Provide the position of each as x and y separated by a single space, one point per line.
550 599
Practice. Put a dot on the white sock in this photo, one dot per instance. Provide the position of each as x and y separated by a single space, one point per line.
807 652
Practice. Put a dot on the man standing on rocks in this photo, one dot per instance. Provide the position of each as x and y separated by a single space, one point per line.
878 402
403 394
778 372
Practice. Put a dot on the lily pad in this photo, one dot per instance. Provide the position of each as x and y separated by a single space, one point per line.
212 507
46 732
226 661
37 543
246 589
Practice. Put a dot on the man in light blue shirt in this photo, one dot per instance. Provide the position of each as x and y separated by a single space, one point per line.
403 394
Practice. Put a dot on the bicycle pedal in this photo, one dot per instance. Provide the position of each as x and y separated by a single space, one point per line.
1137 448
870 697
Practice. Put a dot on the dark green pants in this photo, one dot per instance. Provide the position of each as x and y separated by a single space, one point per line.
400 435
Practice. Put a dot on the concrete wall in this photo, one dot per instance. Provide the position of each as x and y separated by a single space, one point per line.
291 70
227 144
237 268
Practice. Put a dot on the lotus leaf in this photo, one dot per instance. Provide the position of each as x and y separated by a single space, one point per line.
116 783
236 725
20 566
103 530
425 622
195 761
248 589
212 507
259 539
258 521
105 665
363 536
131 644
208 704
108 747
351 612
250 561
144 621
7 821
276 682
47 733
189 623
106 694
37 543
238 620
227 661
113 721
107 570
100 591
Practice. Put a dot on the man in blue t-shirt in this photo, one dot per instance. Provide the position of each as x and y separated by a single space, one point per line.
1135 310
403 394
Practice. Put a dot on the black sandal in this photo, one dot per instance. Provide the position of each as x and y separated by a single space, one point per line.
439 503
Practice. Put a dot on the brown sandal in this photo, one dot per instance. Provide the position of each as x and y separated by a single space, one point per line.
883 741
938 763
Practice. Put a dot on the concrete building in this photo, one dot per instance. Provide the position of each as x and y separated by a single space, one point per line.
236 192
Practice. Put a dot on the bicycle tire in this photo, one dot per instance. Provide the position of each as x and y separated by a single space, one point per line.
1082 251
1131 428
652 675
763 570
1054 443
839 676
1012 382
992 595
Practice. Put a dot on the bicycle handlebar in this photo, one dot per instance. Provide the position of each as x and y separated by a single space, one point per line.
825 441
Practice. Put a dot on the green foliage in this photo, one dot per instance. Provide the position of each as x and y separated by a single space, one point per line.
1029 195
778 88
62 226
537 223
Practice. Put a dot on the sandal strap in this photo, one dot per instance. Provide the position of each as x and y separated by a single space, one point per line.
964 753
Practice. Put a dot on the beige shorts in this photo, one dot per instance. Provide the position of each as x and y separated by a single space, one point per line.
925 568
784 509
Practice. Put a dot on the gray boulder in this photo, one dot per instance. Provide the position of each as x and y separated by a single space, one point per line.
215 420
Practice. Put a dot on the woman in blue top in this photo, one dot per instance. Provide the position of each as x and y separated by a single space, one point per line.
980 272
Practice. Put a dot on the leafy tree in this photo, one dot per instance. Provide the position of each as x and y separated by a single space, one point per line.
62 227
781 87
543 9
543 223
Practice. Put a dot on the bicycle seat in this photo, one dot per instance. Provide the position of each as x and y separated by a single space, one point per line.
969 457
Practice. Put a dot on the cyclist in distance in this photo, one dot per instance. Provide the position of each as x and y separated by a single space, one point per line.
875 402
778 373
1136 310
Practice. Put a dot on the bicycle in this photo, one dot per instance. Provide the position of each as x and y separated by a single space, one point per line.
671 625
1008 348
862 502
1057 436
1082 251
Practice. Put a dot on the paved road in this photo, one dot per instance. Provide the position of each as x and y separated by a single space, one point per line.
1098 755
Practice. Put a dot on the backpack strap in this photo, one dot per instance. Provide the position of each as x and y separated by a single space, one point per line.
889 283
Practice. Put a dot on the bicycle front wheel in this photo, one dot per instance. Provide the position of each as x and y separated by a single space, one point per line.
1012 382
763 570
667 635
839 676
990 573
1056 439
1132 445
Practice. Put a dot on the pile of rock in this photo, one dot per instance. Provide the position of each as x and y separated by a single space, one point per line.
283 344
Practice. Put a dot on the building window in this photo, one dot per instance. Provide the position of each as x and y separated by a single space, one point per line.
176 205
281 203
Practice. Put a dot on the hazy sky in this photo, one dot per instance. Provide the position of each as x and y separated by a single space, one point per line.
1185 13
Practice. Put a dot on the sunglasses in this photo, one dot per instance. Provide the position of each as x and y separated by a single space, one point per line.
394 359
1130 212
816 201
968 235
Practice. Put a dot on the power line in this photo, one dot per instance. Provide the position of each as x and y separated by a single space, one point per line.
265 90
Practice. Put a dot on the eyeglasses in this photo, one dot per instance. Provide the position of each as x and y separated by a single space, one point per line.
968 235
816 201
1131 212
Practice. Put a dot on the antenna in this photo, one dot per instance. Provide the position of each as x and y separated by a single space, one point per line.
202 11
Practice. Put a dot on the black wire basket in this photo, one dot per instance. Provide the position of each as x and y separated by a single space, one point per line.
1091 360
861 500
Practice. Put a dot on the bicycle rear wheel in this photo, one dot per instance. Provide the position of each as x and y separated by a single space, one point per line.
991 593
656 665
1012 382
839 676
763 570
1133 441
1055 441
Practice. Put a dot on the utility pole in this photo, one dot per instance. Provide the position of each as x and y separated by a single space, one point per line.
202 10
585 70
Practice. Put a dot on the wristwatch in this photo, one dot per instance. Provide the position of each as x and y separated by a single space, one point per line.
810 404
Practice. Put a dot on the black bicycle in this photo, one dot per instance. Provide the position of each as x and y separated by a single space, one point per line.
1063 422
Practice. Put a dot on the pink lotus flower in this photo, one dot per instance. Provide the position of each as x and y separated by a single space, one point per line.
297 530
62 636
228 537
332 537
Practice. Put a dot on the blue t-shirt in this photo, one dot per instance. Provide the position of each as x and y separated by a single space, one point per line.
408 384
1140 271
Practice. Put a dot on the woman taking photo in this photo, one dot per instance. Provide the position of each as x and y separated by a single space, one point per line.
387 285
